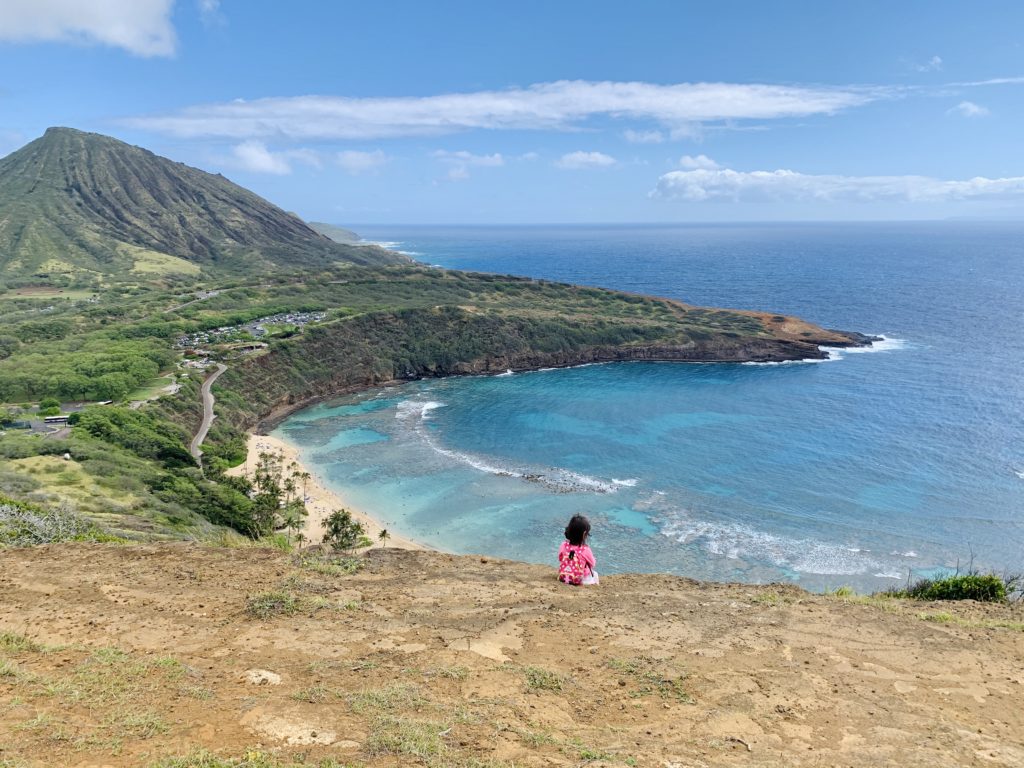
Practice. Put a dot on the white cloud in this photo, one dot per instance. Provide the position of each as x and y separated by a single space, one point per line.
970 109
575 161
209 12
643 137
934 64
529 157
356 162
254 156
468 158
142 27
559 105
782 185
700 161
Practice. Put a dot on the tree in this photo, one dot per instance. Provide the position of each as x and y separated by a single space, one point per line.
293 517
342 533
383 536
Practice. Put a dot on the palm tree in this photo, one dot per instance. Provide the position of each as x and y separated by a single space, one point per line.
383 536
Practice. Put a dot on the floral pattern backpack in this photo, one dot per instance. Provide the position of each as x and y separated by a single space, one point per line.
572 567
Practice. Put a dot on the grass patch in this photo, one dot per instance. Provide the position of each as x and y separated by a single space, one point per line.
394 698
9 670
111 676
983 587
202 758
331 566
13 642
408 738
588 754
268 605
650 678
447 673
943 617
151 389
314 694
771 597
538 679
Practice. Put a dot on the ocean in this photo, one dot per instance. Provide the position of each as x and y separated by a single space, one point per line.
864 470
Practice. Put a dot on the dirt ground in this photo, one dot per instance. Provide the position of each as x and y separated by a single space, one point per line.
130 655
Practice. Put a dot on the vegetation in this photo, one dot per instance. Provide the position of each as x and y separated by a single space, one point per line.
79 207
649 676
983 587
23 525
538 679
253 758
342 533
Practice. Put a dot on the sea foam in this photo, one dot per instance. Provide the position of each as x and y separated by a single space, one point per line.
737 541
555 479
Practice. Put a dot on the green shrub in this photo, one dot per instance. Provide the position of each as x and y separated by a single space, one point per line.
983 587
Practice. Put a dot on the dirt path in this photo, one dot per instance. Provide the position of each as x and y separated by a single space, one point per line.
423 658
195 447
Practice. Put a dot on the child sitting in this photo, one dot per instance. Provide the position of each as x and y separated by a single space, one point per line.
575 560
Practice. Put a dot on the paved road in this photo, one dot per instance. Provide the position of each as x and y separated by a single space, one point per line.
195 447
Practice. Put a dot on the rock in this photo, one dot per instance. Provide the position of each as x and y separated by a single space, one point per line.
261 677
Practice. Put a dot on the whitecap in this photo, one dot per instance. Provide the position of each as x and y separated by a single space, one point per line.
804 361
508 372
420 408
889 575
885 344
555 478
909 553
627 483
736 541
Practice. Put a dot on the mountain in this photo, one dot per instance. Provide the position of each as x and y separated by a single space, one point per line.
336 233
82 205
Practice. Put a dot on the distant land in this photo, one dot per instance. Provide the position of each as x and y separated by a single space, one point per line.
126 278
336 233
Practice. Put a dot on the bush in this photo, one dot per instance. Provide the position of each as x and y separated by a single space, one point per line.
24 525
983 587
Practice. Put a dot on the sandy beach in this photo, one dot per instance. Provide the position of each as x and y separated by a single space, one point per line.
321 500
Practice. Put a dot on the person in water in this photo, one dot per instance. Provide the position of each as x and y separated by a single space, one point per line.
576 563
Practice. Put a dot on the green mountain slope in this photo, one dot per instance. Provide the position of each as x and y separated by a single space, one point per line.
76 205
336 233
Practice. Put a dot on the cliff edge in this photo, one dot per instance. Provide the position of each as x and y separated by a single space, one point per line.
130 656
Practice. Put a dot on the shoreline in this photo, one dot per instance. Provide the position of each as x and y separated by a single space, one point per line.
321 499
289 405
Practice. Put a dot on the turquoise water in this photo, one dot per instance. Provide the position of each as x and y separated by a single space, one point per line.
851 471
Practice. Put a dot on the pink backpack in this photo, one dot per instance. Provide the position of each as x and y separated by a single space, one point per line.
572 567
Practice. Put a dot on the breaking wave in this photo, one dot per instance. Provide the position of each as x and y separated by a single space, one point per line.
555 479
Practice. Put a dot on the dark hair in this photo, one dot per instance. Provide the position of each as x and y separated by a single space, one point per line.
577 530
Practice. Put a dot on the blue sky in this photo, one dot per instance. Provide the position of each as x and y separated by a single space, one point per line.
538 112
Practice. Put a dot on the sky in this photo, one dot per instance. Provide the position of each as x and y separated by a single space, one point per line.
453 112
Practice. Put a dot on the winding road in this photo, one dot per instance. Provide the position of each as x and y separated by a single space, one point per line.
195 446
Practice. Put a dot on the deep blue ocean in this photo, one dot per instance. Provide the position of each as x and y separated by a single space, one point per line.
856 471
